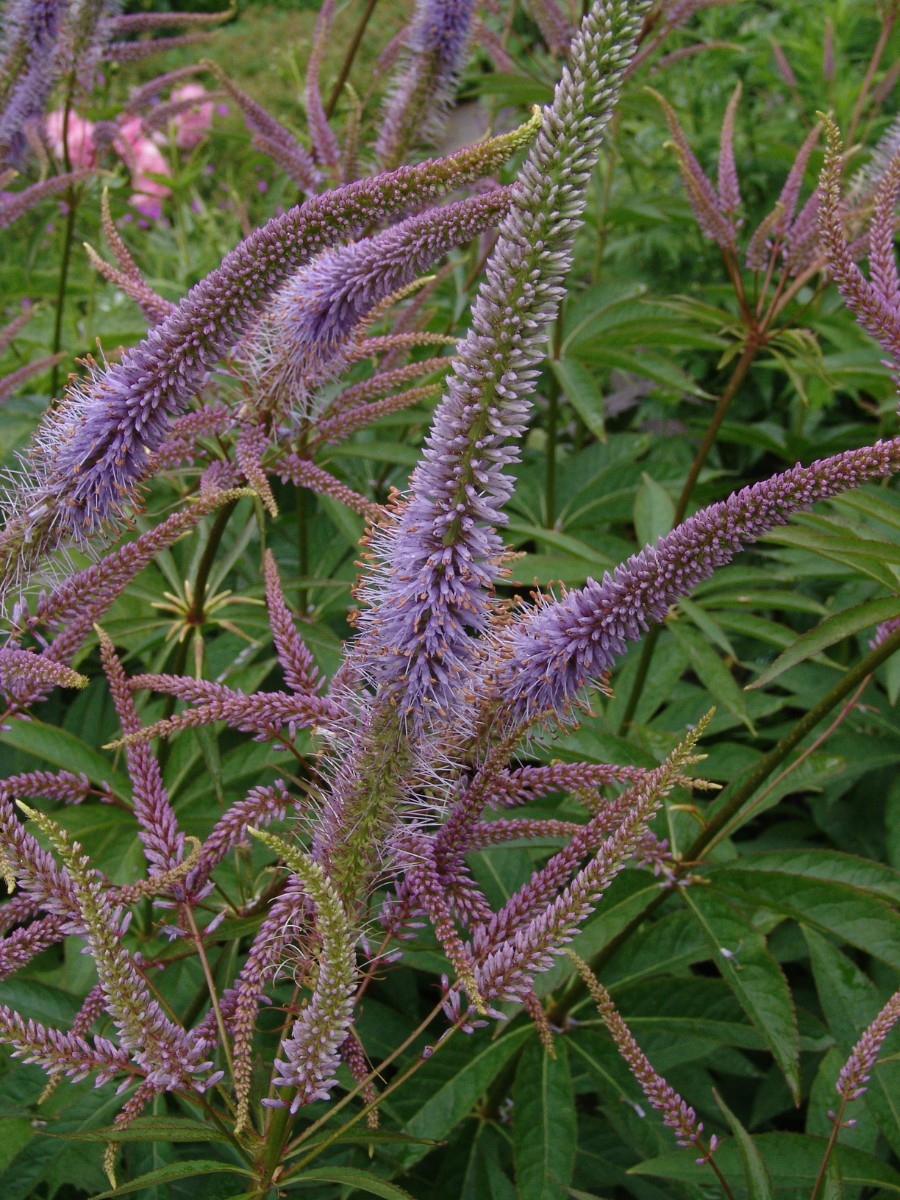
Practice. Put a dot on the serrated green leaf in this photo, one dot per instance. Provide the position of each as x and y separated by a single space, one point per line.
170 1173
653 511
742 957
452 1080
866 557
711 671
830 866
793 1160
853 914
362 1181
544 1123
583 393
827 632
153 1129
759 1183
708 625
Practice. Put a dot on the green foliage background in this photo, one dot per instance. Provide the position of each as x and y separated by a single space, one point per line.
747 989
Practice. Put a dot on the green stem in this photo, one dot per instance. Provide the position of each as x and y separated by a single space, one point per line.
276 1139
553 392
730 805
68 241
302 550
194 617
196 614
738 375
352 49
836 1122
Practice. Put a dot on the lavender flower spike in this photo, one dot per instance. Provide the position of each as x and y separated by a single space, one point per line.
437 44
443 554
676 1112
312 1051
158 1046
542 661
92 451
28 68
317 314
855 1073
871 303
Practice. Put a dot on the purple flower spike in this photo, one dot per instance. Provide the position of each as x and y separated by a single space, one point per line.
29 67
323 139
443 554
857 1070
92 451
729 189
873 304
543 660
437 44
16 204
163 843
708 209
320 313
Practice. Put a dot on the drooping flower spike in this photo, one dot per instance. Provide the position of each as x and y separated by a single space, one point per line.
91 452
544 659
315 321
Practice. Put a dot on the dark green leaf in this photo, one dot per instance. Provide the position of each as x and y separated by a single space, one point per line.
362 1181
171 1172
711 671
544 1123
581 390
759 1183
653 511
793 1160
740 953
154 1129
831 630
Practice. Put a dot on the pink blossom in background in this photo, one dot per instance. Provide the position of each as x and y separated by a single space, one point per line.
82 152
194 123
143 158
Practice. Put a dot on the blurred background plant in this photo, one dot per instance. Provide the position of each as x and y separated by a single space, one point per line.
700 347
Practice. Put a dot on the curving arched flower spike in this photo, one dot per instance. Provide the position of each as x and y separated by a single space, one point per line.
442 556
315 319
92 451
543 660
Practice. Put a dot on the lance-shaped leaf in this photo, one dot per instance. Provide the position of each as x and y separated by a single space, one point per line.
741 955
